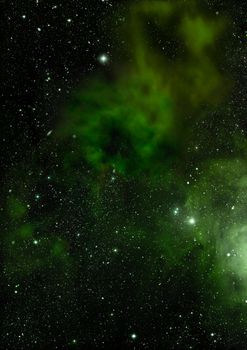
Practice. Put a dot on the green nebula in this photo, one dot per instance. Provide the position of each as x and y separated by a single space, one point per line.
130 183
139 118
219 199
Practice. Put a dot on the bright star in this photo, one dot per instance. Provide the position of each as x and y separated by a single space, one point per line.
103 58
192 221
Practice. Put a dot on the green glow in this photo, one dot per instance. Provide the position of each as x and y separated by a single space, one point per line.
16 208
59 249
25 231
199 33
107 136
135 119
219 199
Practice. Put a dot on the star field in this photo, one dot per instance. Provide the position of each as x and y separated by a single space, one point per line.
124 175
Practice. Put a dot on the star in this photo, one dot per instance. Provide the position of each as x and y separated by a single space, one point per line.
192 221
103 58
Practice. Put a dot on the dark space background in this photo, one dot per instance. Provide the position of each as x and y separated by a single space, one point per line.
65 51
49 48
